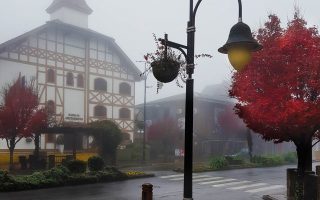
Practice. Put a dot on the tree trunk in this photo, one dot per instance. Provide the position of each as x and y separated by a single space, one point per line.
114 158
304 152
249 140
11 150
37 146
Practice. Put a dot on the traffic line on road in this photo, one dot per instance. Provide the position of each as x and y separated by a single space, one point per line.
229 184
219 181
247 186
273 187
194 177
207 179
172 176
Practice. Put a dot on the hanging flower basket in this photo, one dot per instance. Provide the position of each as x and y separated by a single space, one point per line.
165 70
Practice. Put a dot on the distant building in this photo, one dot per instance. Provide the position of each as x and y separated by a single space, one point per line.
81 75
210 138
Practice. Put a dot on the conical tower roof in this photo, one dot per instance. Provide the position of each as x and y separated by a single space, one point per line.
79 5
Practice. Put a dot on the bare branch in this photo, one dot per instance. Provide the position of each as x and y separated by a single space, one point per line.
7 143
18 140
315 143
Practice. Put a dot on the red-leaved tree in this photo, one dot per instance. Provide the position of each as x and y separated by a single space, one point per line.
163 137
279 91
20 114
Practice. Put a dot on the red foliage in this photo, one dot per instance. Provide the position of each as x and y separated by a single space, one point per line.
279 91
166 128
20 115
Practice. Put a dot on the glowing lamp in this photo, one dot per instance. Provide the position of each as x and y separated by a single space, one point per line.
239 57
239 45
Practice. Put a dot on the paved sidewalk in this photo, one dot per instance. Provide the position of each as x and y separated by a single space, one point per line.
279 196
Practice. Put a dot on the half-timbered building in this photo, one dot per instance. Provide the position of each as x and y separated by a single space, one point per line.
81 75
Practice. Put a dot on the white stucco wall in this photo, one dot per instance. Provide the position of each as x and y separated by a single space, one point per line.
70 16
74 105
9 71
22 144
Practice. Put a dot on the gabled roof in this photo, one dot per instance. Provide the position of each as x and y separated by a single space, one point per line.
79 5
182 97
82 31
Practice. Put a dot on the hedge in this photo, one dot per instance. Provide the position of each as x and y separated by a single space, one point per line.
60 176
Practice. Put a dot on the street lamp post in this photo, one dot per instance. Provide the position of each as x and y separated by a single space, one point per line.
238 48
144 117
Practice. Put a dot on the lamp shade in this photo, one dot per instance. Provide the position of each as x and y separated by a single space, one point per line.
240 36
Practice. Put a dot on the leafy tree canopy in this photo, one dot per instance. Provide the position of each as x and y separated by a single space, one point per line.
279 91
107 136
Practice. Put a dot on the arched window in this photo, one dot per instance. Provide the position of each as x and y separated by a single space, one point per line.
80 81
100 84
70 80
125 89
124 113
51 76
51 108
100 111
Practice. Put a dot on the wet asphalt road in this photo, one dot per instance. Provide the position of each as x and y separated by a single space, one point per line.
243 184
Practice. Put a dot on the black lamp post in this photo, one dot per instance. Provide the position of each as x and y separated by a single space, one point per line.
238 47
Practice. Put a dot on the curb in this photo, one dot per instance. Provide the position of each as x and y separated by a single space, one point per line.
268 197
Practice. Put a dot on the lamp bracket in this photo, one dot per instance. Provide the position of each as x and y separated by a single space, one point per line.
174 45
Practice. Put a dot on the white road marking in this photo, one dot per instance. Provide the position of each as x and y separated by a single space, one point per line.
247 186
194 177
232 183
172 176
207 179
265 188
219 181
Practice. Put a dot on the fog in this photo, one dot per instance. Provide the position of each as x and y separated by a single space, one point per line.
132 23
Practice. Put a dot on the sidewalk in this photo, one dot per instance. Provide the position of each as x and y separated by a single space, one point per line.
279 196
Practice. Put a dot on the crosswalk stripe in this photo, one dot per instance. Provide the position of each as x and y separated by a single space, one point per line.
171 176
265 188
247 186
207 179
232 183
219 181
194 177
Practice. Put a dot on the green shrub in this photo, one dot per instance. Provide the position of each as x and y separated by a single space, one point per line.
7 182
82 179
5 177
77 166
235 160
95 163
112 170
106 175
218 162
268 160
290 157
58 174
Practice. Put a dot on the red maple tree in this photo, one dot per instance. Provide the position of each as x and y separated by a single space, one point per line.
20 114
164 136
279 91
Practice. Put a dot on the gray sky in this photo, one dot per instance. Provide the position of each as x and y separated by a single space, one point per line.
132 23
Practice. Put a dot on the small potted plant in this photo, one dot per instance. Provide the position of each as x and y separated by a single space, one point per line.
164 63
